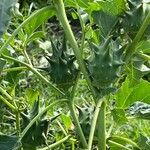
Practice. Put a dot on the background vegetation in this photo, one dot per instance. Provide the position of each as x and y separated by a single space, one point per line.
74 75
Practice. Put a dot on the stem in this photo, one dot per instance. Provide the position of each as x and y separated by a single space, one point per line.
73 113
144 56
38 116
130 50
8 96
27 56
22 25
56 144
35 72
77 124
18 123
14 108
8 104
14 69
110 130
61 14
72 94
61 127
93 125
102 128
118 145
5 93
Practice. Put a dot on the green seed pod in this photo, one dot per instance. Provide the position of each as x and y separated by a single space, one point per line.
85 117
62 68
105 66
36 135
135 16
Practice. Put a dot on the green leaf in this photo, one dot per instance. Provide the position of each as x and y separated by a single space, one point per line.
5 15
82 3
144 46
39 19
13 76
144 142
35 35
123 141
107 17
104 20
8 142
31 95
128 95
119 116
137 69
67 121
113 7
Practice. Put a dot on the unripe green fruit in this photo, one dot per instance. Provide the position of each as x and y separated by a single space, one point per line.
105 66
135 16
62 68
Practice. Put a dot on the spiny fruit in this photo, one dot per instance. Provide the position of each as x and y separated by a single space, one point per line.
62 68
85 117
134 17
37 134
105 66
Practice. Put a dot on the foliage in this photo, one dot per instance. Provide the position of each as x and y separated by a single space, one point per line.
5 14
91 83
62 69
106 59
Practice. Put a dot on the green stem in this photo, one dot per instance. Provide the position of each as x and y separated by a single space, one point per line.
14 69
102 127
18 123
73 113
144 56
4 92
8 104
56 144
27 56
119 146
72 94
110 130
38 116
130 50
93 125
35 72
61 14
62 128
14 108
22 25
77 124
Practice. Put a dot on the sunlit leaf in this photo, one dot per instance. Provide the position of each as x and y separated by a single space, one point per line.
39 19
128 95
31 95
119 116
